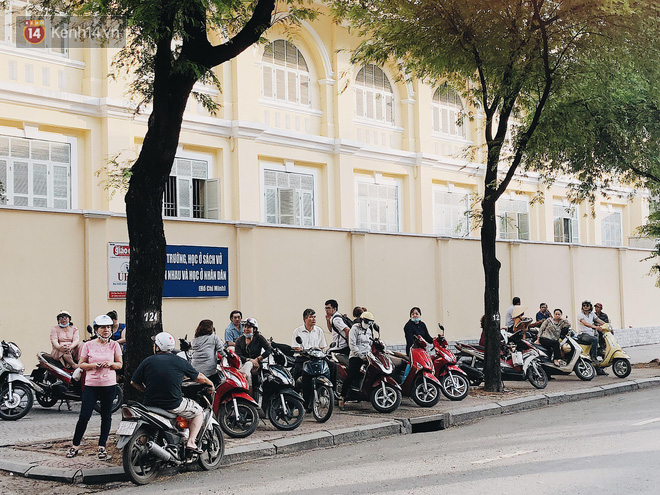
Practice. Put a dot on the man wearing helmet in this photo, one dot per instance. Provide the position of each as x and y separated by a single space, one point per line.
160 377
252 348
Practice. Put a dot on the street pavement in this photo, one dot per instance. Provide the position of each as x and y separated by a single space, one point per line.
35 445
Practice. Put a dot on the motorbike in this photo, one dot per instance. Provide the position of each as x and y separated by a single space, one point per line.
153 438
375 383
576 360
317 370
274 392
518 361
454 382
612 354
234 408
415 374
15 390
56 384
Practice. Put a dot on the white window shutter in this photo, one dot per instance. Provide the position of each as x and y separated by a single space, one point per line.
185 200
212 196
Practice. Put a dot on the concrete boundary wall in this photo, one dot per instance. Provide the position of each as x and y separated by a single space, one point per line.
59 260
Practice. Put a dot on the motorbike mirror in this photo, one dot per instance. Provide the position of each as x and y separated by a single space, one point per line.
298 339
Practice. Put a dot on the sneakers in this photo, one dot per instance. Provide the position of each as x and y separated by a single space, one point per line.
72 452
103 454
77 373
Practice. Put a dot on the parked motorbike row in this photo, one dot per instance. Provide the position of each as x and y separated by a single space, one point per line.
522 359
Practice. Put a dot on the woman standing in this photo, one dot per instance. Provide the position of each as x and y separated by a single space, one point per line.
65 339
415 326
99 358
205 346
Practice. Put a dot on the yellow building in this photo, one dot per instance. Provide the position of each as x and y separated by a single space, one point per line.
323 180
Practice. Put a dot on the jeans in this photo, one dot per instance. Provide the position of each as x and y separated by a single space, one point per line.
89 397
585 338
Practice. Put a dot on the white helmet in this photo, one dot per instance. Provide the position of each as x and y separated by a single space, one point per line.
103 321
164 341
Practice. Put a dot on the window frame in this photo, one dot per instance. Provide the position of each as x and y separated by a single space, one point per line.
288 168
31 133
211 186
607 213
298 73
570 213
439 106
363 90
464 217
501 216
379 181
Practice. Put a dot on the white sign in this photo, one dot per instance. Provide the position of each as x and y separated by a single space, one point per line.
118 259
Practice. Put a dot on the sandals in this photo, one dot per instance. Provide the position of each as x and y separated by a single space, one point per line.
103 454
72 452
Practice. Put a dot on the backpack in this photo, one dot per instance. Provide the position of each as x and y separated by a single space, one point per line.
347 321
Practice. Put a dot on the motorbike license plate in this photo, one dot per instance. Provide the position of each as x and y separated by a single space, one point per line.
126 428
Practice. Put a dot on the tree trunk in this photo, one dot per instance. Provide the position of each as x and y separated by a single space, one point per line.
144 199
492 372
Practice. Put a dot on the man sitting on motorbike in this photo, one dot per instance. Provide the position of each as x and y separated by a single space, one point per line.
359 341
311 336
160 377
588 327
252 348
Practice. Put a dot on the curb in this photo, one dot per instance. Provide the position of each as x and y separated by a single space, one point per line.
333 437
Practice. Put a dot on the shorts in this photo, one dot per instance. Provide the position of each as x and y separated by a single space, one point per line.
187 409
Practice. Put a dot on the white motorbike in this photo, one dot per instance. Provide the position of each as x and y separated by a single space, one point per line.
16 396
575 360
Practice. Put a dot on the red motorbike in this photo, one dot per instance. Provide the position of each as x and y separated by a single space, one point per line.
375 382
453 380
236 411
419 382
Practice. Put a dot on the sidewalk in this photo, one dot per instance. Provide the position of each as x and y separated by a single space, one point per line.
36 448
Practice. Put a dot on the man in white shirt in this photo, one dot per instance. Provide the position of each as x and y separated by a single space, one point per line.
311 336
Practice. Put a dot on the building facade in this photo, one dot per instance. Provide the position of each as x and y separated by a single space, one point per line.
324 180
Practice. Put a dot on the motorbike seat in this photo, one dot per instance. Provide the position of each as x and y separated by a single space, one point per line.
51 360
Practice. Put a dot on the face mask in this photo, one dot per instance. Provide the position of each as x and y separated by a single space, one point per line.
415 320
248 335
365 325
63 325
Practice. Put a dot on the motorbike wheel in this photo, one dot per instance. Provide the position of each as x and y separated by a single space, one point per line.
428 397
213 446
536 375
292 419
18 404
116 402
324 403
139 465
621 367
385 401
243 426
456 388
584 370
48 398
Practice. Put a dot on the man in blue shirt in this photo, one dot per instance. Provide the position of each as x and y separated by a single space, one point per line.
235 328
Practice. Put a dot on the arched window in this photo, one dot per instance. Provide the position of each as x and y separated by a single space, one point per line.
448 112
285 75
374 98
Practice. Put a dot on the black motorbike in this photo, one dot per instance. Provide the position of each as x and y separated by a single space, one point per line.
273 389
317 371
153 438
